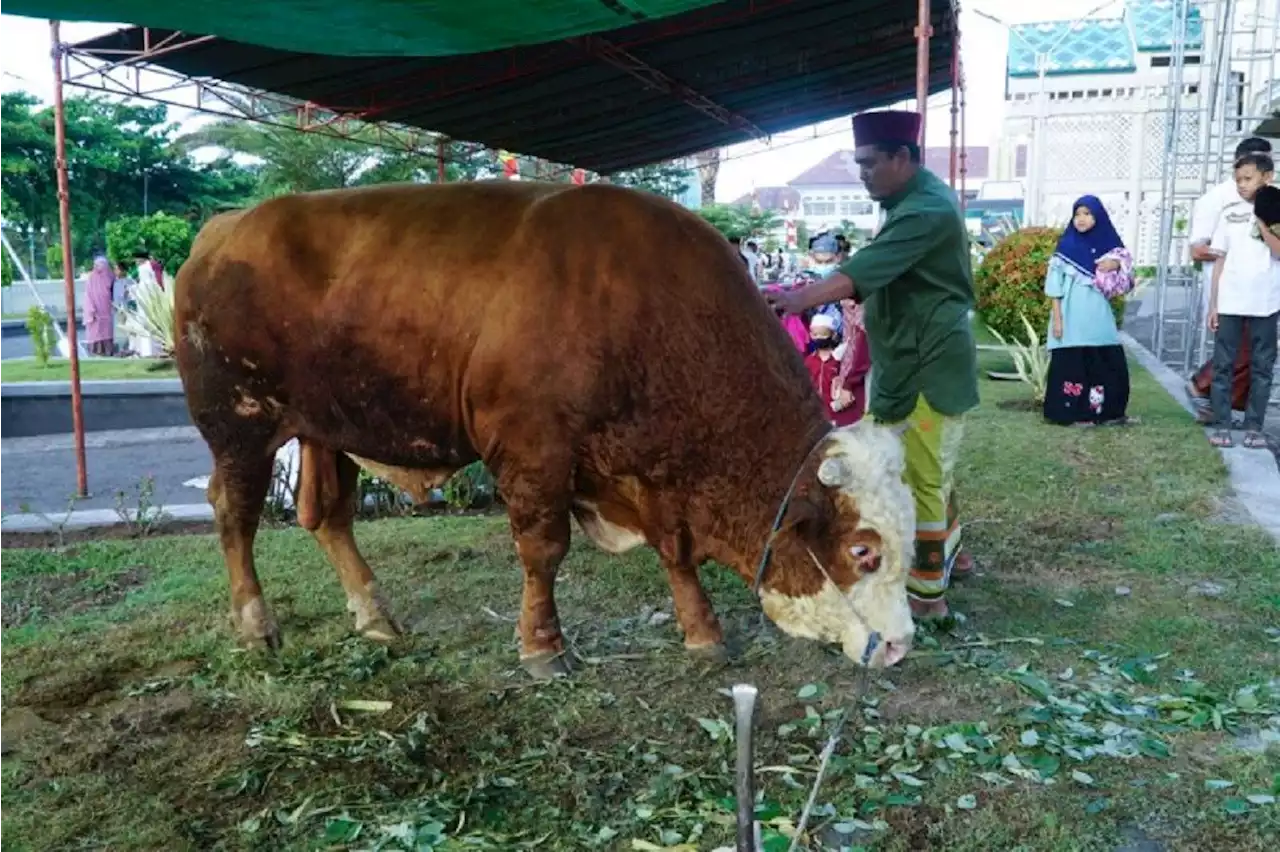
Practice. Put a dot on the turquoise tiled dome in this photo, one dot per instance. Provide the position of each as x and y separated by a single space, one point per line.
1100 45
1152 23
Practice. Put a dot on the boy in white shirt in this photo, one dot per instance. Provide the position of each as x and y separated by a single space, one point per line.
1246 288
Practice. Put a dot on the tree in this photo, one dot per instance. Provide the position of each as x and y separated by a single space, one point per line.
6 268
708 163
669 179
292 160
120 161
740 221
166 237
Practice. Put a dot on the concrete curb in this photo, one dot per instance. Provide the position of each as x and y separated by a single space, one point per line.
94 387
102 440
1254 476
93 518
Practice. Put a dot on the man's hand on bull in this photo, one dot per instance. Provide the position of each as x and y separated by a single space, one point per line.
833 288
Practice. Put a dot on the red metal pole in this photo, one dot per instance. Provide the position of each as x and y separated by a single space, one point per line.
68 265
964 151
924 29
955 102
441 145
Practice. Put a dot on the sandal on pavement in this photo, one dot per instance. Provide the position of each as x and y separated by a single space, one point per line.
1222 439
1255 440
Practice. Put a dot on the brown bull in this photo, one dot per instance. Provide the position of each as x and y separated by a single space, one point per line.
601 350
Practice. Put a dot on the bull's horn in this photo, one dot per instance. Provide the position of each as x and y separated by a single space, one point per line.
835 472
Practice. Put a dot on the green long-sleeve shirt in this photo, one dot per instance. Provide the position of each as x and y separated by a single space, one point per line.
917 284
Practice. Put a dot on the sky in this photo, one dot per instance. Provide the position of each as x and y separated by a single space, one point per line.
25 64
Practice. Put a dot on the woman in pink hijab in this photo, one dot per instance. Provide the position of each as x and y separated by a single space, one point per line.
99 311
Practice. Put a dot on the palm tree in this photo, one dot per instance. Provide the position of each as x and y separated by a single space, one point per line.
708 163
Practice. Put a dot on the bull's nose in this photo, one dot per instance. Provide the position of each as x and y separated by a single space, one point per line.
896 649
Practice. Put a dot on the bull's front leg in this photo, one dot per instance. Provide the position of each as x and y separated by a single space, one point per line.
702 634
542 540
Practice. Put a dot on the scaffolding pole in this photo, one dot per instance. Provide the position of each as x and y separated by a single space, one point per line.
924 30
68 265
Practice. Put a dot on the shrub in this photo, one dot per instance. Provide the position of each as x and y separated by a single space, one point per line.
152 316
1009 283
1031 360
167 237
43 337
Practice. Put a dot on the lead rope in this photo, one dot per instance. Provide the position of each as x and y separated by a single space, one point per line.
873 642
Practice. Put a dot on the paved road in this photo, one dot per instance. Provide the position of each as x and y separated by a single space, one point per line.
14 340
40 471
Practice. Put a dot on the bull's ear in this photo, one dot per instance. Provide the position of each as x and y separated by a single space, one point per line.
807 517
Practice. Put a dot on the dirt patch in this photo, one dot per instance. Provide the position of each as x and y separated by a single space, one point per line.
926 704
52 596
20 725
116 532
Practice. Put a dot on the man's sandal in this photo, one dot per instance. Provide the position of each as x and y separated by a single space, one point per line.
1255 440
1222 439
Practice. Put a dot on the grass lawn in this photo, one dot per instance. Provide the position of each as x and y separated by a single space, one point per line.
59 369
1107 686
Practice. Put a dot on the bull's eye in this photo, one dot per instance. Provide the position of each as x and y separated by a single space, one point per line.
866 558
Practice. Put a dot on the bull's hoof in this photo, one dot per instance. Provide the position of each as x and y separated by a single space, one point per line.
713 653
257 628
374 620
383 631
546 665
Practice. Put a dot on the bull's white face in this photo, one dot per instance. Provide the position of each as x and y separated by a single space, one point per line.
866 547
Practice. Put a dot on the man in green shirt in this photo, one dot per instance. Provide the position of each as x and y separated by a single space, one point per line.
915 281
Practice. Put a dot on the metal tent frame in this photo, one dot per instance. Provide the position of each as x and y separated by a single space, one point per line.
98 66
1217 97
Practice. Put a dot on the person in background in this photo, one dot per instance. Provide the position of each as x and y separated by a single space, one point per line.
849 391
752 253
1088 383
146 271
824 369
916 285
824 258
99 309
123 293
1204 220
1245 295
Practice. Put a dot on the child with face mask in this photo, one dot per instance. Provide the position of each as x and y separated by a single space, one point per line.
824 365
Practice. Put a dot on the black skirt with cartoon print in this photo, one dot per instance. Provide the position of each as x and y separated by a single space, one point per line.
1087 384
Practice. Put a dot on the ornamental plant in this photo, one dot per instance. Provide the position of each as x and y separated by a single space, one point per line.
1009 283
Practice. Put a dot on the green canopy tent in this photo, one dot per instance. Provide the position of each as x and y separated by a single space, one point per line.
600 84
370 27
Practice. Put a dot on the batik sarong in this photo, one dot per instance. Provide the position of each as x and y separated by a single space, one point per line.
932 445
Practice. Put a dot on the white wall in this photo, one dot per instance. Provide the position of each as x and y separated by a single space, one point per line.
17 299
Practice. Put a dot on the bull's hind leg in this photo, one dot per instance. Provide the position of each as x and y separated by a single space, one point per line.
237 491
538 508
326 507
